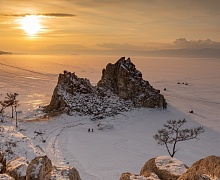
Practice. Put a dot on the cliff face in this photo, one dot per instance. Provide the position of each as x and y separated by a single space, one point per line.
120 88
127 82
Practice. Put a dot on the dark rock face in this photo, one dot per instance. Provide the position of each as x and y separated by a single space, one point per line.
125 176
2 163
127 82
120 89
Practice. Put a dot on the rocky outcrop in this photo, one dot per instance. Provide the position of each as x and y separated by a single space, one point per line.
38 168
17 168
204 169
75 95
159 168
125 176
126 81
6 177
67 173
164 167
120 89
2 163
129 176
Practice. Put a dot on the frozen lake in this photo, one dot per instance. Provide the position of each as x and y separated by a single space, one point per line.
34 77
191 84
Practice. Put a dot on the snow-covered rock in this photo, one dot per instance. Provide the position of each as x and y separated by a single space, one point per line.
65 173
205 169
151 176
120 89
6 177
14 143
164 167
159 168
129 176
75 95
38 168
17 168
172 165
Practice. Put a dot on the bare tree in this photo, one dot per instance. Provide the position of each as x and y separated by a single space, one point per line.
171 134
3 106
10 100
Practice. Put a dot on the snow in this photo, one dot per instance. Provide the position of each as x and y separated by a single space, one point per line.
126 141
153 176
173 165
38 168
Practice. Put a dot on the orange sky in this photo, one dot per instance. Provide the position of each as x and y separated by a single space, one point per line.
79 26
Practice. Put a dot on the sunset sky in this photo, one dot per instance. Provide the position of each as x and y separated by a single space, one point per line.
73 26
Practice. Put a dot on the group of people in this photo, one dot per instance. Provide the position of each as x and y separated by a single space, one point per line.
90 130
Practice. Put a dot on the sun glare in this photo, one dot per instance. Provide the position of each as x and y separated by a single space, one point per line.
31 25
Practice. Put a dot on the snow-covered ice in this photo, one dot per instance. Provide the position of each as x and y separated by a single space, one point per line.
191 84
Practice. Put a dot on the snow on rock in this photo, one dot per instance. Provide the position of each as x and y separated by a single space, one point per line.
205 169
172 165
159 168
152 176
14 143
129 176
164 167
17 168
6 177
59 173
76 96
120 89
38 168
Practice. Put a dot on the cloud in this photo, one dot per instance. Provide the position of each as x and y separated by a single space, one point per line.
40 14
184 43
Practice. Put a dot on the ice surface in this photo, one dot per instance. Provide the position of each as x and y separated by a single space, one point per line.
125 147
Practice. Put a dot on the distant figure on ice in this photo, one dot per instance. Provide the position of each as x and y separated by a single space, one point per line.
89 130
92 130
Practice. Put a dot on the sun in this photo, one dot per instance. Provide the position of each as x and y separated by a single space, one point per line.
31 25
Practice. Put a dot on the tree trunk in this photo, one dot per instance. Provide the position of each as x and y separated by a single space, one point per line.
16 120
16 117
12 112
